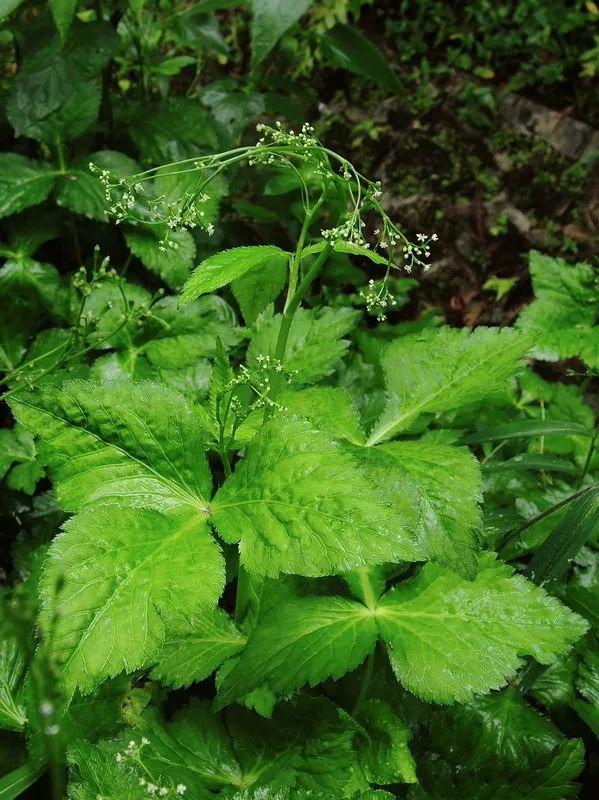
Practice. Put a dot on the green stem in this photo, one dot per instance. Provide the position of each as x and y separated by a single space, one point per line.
587 462
288 315
242 597
297 258
366 680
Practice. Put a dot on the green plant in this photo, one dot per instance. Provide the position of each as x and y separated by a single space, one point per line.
232 511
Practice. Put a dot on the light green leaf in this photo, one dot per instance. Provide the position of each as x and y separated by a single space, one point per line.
384 752
223 268
80 189
303 641
562 319
196 646
328 408
23 183
8 6
449 639
298 503
270 20
172 264
114 580
445 369
17 446
444 486
119 443
63 12
314 344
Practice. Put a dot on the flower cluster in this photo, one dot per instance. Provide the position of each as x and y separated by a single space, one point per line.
260 382
378 299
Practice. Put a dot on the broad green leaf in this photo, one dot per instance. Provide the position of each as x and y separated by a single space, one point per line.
314 346
194 647
255 290
63 12
54 97
449 639
23 183
207 753
113 581
443 370
173 262
442 484
95 772
80 189
31 283
270 20
297 503
525 428
349 49
384 752
303 641
223 268
136 444
170 130
498 745
180 337
328 408
562 319
580 524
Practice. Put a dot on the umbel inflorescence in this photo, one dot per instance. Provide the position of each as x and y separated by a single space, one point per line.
322 175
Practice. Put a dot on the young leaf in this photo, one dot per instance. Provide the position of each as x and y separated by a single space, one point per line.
223 268
442 370
298 504
525 428
270 20
257 288
120 443
303 641
195 646
349 248
113 581
449 639
23 183
314 345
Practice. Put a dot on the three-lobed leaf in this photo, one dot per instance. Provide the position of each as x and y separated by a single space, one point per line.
297 503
